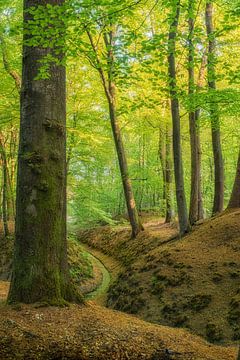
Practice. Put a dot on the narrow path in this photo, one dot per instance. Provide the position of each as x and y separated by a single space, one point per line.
109 268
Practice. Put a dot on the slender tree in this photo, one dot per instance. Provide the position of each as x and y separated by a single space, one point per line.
169 176
40 269
214 113
194 215
235 197
175 110
110 92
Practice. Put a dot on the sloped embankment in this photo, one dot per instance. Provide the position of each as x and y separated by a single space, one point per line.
193 282
93 332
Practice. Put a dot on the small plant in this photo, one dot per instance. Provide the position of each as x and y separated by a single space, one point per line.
213 333
199 302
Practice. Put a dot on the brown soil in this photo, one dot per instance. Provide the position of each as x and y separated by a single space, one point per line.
93 332
193 282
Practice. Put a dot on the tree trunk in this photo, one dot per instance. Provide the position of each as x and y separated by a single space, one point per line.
177 150
4 193
214 113
194 139
169 177
162 157
235 197
40 269
197 116
127 186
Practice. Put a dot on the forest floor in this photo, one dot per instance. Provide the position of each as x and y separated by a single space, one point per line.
192 283
91 331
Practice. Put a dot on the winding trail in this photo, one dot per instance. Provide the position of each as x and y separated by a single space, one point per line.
109 269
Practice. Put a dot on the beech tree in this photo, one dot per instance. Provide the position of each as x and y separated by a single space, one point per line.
175 110
106 69
40 268
214 113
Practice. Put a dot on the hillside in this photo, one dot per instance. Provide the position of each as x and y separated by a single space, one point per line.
193 282
93 332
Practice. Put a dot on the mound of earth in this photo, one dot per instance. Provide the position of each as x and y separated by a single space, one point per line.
92 332
84 273
193 282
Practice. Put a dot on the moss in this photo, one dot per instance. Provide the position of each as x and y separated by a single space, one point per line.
174 314
234 313
176 279
198 302
157 288
217 277
213 333
234 274
53 125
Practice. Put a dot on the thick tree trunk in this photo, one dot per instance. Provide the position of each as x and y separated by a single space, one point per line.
177 149
40 269
214 112
235 197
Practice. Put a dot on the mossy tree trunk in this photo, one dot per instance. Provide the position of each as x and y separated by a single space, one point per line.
40 268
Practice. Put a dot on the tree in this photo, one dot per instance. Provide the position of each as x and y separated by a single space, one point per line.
175 109
195 213
235 197
107 79
40 268
214 114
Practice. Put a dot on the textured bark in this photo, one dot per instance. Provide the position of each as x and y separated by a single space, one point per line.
214 113
177 150
235 197
40 269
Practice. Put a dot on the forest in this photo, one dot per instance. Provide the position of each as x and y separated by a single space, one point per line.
120 179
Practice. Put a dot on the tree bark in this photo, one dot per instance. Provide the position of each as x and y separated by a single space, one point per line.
214 113
175 110
169 177
127 186
110 91
4 190
194 138
40 268
235 197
